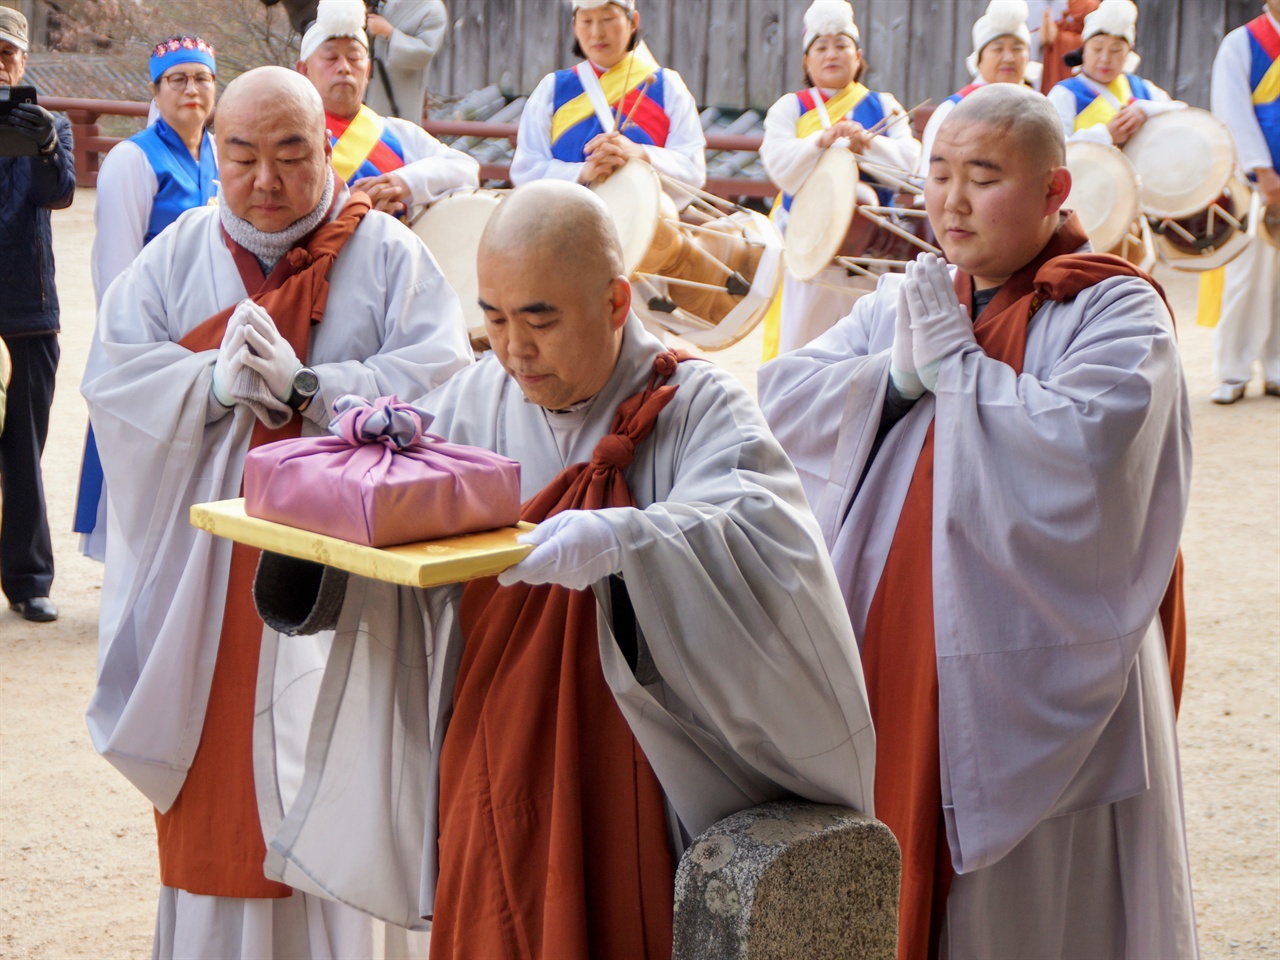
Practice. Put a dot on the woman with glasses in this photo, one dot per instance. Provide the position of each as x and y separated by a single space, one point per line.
145 183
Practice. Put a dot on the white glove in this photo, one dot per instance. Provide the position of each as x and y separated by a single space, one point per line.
940 327
574 549
229 363
269 353
902 363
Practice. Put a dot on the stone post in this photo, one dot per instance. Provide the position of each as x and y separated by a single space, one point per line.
789 880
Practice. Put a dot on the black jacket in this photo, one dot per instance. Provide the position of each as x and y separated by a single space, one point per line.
29 188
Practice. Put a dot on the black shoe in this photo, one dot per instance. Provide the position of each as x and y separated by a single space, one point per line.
36 609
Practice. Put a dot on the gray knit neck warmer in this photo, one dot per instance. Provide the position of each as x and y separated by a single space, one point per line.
270 247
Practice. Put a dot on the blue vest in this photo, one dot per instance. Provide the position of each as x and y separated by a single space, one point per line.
1268 114
867 113
183 183
571 145
1085 94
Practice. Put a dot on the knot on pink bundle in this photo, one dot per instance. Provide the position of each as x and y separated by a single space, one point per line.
387 420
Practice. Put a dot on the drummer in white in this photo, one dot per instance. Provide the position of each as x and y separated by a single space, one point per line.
1001 54
1246 96
618 104
836 110
396 163
1105 101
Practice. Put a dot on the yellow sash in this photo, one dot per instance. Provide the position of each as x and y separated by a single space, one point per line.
619 80
357 142
1268 88
837 107
1101 110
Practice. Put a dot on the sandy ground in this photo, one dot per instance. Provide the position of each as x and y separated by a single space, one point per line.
77 864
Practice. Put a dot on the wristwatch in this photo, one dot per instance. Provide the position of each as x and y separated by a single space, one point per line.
305 386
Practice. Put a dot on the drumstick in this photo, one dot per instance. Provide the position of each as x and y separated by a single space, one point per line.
626 82
644 89
888 122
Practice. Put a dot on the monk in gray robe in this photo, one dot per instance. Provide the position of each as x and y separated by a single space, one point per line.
999 456
522 759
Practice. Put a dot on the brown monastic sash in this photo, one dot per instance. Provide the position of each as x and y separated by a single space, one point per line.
899 655
553 837
210 839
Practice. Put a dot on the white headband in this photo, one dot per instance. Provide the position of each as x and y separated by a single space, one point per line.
828 18
334 18
628 5
1004 18
1115 18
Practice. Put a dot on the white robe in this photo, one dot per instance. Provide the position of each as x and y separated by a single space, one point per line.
418 32
1059 497
432 170
811 308
750 686
1249 328
683 157
391 325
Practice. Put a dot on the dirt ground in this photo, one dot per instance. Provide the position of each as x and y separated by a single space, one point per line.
77 863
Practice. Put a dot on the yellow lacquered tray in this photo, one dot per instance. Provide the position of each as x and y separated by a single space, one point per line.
427 564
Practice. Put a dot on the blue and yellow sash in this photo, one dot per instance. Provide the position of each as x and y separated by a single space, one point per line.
364 146
574 122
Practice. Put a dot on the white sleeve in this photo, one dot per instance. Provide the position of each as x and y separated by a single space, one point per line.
533 159
896 147
1158 94
788 159
126 190
931 131
1231 98
684 158
413 51
432 169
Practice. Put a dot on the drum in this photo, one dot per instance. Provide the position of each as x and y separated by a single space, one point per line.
451 229
1105 196
708 277
1191 195
836 216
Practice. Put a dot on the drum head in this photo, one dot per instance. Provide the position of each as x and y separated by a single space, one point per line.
451 229
1104 192
633 195
820 214
1184 159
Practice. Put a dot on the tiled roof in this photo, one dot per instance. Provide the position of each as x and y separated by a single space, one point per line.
120 76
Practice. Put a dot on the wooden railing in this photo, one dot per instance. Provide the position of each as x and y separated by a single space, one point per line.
91 146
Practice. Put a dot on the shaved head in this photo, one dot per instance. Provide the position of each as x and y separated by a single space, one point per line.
997 181
1019 115
561 219
273 152
552 289
272 85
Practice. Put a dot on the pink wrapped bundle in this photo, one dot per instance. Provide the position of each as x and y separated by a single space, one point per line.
379 480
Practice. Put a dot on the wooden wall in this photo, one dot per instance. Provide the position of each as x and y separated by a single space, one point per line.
746 53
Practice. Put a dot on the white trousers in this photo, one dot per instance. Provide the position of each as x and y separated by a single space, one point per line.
810 309
301 927
1249 328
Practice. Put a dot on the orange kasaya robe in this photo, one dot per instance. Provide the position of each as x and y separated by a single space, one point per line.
1070 37
899 656
211 839
553 837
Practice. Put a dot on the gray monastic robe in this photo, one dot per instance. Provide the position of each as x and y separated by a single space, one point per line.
1059 497
749 686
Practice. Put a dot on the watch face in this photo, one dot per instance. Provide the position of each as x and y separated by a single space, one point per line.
306 382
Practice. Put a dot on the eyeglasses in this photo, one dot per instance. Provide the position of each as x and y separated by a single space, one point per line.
178 81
